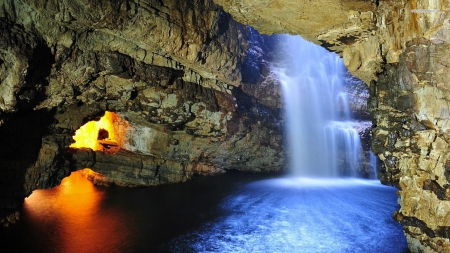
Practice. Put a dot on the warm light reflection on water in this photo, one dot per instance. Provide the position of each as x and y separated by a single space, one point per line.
233 212
72 210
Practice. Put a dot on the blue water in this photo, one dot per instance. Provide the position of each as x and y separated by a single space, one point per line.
301 215
234 212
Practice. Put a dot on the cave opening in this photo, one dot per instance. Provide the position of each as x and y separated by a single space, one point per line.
105 134
181 79
293 214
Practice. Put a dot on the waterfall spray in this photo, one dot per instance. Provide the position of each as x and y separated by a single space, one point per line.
320 129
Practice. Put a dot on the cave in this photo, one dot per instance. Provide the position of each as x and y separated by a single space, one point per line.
195 102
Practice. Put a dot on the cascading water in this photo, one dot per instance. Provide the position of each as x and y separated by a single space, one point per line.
320 130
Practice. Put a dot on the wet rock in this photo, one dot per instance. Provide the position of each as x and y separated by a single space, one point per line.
357 93
410 115
400 50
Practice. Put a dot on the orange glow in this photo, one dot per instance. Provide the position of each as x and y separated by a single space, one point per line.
72 209
94 177
88 134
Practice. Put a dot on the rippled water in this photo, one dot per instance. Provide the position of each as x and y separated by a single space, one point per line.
228 213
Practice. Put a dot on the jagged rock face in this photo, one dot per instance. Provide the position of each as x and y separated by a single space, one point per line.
194 36
170 68
411 135
357 97
313 19
195 83
409 105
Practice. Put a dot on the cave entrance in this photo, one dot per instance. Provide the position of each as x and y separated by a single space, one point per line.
106 135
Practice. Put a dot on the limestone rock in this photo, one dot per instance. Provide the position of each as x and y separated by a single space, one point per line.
357 93
23 63
196 86
409 106
95 177
308 19
400 49
178 34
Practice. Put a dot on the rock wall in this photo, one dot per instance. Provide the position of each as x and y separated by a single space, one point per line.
409 105
175 70
411 110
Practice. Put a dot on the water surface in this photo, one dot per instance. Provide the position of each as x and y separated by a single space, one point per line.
228 213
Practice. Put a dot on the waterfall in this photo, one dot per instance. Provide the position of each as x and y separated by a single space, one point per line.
321 134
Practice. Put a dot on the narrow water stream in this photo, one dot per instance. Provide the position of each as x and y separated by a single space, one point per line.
228 213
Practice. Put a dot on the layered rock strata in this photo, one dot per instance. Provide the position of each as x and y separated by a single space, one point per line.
409 105
346 27
175 70
411 135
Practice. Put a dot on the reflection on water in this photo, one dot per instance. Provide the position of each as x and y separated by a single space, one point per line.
70 218
228 213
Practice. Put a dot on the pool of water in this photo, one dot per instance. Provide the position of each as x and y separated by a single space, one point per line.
234 212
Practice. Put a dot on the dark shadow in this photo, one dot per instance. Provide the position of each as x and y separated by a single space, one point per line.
40 66
20 142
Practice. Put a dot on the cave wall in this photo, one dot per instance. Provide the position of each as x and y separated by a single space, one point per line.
348 27
410 109
178 71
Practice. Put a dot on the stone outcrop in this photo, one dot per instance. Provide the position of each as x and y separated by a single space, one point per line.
357 93
409 104
313 20
177 71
